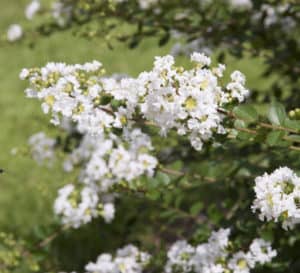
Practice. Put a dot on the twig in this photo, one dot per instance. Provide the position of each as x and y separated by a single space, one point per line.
181 173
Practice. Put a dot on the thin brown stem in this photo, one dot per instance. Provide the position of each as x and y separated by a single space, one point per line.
181 173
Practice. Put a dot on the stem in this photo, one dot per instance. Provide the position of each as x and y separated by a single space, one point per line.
265 125
295 148
51 237
276 127
43 243
181 173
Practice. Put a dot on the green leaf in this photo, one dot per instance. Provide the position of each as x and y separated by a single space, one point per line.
196 208
245 136
295 138
277 114
162 178
292 124
274 137
267 235
153 195
246 113
238 123
214 214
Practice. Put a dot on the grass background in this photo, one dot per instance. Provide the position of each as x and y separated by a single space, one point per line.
27 190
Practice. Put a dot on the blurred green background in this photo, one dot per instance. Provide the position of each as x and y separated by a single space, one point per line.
27 190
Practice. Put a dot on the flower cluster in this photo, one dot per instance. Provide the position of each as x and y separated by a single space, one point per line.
110 160
278 197
214 256
80 207
65 90
128 259
168 96
104 161
42 147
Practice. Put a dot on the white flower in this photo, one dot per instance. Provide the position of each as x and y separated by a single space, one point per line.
200 59
260 252
128 259
76 208
105 160
179 256
32 8
108 212
24 74
104 264
214 256
237 86
14 33
169 97
239 263
277 197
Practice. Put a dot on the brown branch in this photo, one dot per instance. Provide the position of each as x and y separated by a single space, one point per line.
260 124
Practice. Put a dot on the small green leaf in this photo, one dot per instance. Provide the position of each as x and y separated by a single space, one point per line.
294 138
277 114
153 195
163 178
245 136
238 123
196 208
246 113
274 137
292 124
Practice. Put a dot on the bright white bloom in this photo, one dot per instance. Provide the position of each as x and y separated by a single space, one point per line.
42 148
200 59
278 197
239 263
214 256
75 207
14 33
171 97
110 160
237 86
179 257
261 252
127 260
105 160
108 212
32 8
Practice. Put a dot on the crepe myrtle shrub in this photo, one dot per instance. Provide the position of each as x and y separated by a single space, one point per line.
178 166
179 169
